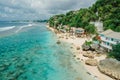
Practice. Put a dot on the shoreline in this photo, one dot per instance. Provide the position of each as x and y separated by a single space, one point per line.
78 54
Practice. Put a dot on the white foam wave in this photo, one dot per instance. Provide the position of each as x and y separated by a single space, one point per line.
6 28
20 28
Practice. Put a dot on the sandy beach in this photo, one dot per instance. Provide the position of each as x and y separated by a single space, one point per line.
78 54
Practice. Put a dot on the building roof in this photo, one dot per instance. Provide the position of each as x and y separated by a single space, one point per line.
81 29
65 26
111 34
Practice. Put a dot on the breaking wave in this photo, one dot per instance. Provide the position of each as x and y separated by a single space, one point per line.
18 28
6 28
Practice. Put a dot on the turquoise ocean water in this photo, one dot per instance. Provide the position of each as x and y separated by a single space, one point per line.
28 51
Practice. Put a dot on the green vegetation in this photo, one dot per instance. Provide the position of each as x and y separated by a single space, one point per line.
90 29
88 43
107 11
115 53
80 18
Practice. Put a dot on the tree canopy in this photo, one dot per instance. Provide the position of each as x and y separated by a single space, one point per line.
107 11
115 53
90 29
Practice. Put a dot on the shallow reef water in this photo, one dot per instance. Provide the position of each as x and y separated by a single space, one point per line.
32 54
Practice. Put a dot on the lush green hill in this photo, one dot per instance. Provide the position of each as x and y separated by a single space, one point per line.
107 11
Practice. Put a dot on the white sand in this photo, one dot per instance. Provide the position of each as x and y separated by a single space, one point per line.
77 42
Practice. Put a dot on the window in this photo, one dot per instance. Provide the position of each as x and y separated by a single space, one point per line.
117 42
111 45
108 44
112 39
101 35
106 38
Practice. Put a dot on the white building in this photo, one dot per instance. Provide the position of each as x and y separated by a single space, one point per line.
109 38
98 25
77 31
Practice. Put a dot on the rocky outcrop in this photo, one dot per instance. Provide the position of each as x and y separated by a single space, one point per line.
85 47
91 62
110 67
58 42
94 47
78 48
89 55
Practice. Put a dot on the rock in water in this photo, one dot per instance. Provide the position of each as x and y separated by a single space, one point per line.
58 42
110 67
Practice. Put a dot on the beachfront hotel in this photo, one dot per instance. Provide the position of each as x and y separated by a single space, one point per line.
78 32
109 38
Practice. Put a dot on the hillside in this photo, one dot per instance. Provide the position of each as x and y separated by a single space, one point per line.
107 11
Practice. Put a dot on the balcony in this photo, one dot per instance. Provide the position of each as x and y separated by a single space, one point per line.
106 46
107 40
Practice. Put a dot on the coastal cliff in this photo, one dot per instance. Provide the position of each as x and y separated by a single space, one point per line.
110 67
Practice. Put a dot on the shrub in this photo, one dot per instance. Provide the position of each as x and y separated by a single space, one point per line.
115 53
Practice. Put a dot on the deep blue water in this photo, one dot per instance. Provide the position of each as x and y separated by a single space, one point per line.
31 53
